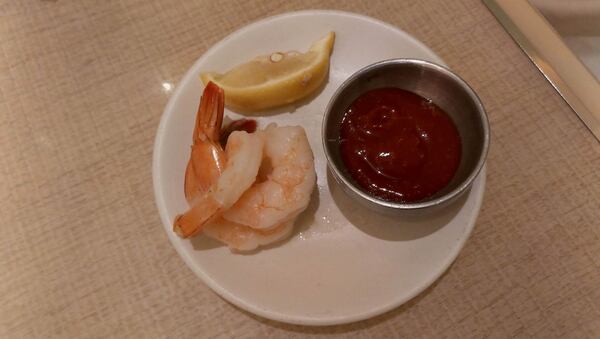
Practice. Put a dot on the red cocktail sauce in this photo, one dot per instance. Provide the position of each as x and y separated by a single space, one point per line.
399 146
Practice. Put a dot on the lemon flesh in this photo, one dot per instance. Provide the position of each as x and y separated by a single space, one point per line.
276 79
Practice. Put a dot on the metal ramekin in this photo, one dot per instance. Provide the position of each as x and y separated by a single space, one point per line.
431 81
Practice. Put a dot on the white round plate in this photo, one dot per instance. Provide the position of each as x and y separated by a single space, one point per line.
343 263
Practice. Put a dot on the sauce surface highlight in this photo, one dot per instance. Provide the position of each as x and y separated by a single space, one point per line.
399 146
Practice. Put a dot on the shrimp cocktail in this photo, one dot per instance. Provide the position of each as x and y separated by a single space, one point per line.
246 187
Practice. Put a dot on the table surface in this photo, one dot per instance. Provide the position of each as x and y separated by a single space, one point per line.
82 249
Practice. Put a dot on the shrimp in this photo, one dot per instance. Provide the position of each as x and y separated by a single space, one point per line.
284 184
243 238
243 153
207 157
250 193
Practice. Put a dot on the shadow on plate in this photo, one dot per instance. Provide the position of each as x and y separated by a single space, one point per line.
202 243
303 222
391 228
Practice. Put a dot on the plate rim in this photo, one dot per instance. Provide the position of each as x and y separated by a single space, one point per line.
211 283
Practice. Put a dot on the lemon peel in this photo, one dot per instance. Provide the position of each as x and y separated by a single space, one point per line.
276 79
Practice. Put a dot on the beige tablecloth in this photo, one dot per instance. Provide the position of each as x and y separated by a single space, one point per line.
83 252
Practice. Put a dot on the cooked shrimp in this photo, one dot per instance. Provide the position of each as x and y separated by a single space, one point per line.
285 181
243 153
244 238
248 194
207 157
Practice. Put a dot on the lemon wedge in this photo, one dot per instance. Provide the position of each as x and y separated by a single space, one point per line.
276 79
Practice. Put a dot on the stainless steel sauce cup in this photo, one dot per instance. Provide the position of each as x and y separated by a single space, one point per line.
431 81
